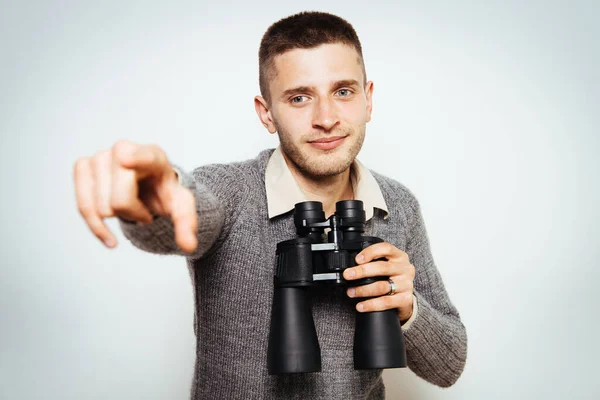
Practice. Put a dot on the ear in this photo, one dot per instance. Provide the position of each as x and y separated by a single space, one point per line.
264 114
369 95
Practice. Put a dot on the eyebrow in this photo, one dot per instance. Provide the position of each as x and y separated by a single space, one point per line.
307 89
346 82
296 90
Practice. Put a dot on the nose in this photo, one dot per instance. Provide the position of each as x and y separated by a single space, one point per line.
325 115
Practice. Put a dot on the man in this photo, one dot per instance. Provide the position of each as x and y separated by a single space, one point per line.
227 220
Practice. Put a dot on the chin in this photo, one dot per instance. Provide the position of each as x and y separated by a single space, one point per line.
327 163
322 163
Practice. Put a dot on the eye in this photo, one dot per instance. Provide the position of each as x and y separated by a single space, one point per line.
344 92
298 99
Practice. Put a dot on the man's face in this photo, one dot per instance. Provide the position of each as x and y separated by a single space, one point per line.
319 107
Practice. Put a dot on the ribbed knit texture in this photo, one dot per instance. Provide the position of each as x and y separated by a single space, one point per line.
232 273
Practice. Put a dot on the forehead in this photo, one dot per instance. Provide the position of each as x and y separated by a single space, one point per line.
316 67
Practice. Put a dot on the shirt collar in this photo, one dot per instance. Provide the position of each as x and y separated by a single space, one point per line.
283 191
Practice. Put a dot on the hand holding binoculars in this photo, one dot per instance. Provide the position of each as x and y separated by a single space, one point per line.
310 261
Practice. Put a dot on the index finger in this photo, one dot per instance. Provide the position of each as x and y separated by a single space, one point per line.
147 160
379 250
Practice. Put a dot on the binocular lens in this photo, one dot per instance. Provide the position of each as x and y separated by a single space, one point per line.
351 210
308 212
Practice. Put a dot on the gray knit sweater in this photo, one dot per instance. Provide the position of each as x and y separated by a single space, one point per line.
232 274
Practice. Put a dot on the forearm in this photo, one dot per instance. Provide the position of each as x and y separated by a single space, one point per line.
436 344
159 237
436 340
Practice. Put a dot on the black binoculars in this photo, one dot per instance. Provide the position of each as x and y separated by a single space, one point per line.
309 261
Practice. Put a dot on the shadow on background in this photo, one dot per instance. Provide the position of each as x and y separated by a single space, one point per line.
403 384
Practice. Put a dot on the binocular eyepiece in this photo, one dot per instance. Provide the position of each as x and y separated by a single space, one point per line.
313 259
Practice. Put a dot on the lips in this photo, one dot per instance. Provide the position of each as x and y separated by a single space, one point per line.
328 143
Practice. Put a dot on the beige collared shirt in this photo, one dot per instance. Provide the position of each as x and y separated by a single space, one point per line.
283 192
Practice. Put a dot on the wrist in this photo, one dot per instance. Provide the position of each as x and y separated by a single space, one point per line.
415 310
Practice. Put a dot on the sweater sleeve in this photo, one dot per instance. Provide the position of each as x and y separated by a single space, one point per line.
436 341
159 236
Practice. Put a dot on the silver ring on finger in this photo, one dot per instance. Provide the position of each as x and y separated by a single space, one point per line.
392 287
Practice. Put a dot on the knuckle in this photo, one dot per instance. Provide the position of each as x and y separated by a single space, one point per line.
364 291
105 211
359 291
371 290
80 167
388 268
121 145
378 304
380 268
119 203
103 155
80 163
412 272
387 302
156 150
384 303
158 155
360 271
121 148
369 252
86 210
95 225
384 287
100 159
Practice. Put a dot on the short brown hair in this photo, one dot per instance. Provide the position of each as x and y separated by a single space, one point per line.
304 30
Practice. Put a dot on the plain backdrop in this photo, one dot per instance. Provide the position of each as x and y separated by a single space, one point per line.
487 111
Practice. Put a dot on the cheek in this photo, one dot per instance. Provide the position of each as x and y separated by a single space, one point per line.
293 121
356 113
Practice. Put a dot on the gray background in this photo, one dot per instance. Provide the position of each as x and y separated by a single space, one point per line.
487 111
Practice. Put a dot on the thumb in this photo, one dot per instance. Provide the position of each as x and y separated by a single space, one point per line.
182 211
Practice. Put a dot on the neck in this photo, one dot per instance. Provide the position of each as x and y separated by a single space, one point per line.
328 190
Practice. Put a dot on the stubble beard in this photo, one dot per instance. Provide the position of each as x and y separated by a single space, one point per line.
321 167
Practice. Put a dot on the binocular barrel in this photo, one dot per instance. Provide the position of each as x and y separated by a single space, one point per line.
378 340
293 343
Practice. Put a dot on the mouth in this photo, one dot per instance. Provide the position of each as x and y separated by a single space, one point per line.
327 143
